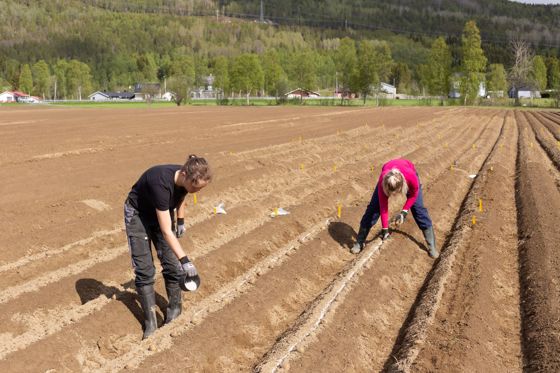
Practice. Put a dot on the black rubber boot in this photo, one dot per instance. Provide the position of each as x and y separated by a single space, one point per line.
175 302
148 301
360 241
431 241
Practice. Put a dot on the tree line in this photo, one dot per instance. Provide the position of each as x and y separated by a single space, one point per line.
111 50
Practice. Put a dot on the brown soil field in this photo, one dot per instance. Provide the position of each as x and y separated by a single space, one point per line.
284 294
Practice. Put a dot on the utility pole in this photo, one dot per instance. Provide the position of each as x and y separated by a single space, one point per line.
262 11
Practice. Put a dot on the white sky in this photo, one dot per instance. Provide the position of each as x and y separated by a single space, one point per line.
538 1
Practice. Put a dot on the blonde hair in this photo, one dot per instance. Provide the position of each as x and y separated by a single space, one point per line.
394 182
197 169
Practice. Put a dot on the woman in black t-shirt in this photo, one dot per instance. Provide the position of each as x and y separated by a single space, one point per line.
149 218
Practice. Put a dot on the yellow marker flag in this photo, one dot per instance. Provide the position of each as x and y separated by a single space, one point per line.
480 204
474 220
339 210
195 200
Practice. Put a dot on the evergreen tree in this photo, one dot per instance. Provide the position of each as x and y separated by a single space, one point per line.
497 79
41 77
59 79
345 60
246 74
25 83
401 77
273 72
304 70
220 72
473 64
553 72
439 66
538 72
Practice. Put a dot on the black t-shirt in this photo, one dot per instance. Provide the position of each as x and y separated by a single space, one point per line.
156 189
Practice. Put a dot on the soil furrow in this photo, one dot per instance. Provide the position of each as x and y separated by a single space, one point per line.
372 312
272 292
465 334
538 213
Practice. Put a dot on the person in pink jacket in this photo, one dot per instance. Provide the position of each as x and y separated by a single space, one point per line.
397 176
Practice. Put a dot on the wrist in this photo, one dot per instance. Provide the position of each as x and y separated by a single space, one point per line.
404 212
184 260
180 221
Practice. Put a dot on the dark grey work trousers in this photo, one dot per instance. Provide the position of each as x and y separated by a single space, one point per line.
140 235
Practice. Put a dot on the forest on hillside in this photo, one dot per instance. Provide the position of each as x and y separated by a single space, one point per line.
81 46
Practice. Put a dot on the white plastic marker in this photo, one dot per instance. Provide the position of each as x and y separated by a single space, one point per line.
220 209
279 212
472 176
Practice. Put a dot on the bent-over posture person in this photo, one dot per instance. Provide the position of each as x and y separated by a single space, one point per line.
149 218
397 176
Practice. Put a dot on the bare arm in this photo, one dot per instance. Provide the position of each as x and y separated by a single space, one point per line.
164 219
181 209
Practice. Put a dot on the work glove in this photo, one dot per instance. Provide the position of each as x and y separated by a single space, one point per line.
180 231
400 217
188 267
385 235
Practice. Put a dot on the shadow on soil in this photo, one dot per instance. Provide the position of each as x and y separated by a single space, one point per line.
342 233
89 289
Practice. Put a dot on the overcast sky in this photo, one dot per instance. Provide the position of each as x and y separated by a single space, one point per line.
538 1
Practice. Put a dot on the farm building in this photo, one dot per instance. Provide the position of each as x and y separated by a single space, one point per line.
302 93
524 92
108 96
143 91
13 96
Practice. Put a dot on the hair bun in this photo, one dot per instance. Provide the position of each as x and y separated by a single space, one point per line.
192 156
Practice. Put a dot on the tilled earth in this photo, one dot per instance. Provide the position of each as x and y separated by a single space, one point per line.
284 293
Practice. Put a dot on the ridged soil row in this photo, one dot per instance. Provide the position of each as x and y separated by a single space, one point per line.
471 322
546 136
56 225
271 306
538 201
552 122
95 288
331 263
301 331
248 215
359 336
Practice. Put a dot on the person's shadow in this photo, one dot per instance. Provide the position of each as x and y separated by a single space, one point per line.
346 236
89 289
420 245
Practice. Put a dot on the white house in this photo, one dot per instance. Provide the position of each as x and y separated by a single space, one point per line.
14 96
387 88
524 92
99 96
168 96
7 96
106 96
302 93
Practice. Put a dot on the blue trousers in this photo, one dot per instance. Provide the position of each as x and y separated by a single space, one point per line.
419 212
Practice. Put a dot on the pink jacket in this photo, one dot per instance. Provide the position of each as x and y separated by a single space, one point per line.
409 172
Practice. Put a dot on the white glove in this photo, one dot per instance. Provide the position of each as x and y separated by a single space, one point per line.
400 217
180 231
188 267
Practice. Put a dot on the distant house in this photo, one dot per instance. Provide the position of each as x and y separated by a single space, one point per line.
109 96
7 96
144 91
207 91
388 89
455 89
302 93
14 96
524 92
168 96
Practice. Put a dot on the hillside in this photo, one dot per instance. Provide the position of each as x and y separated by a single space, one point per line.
118 38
